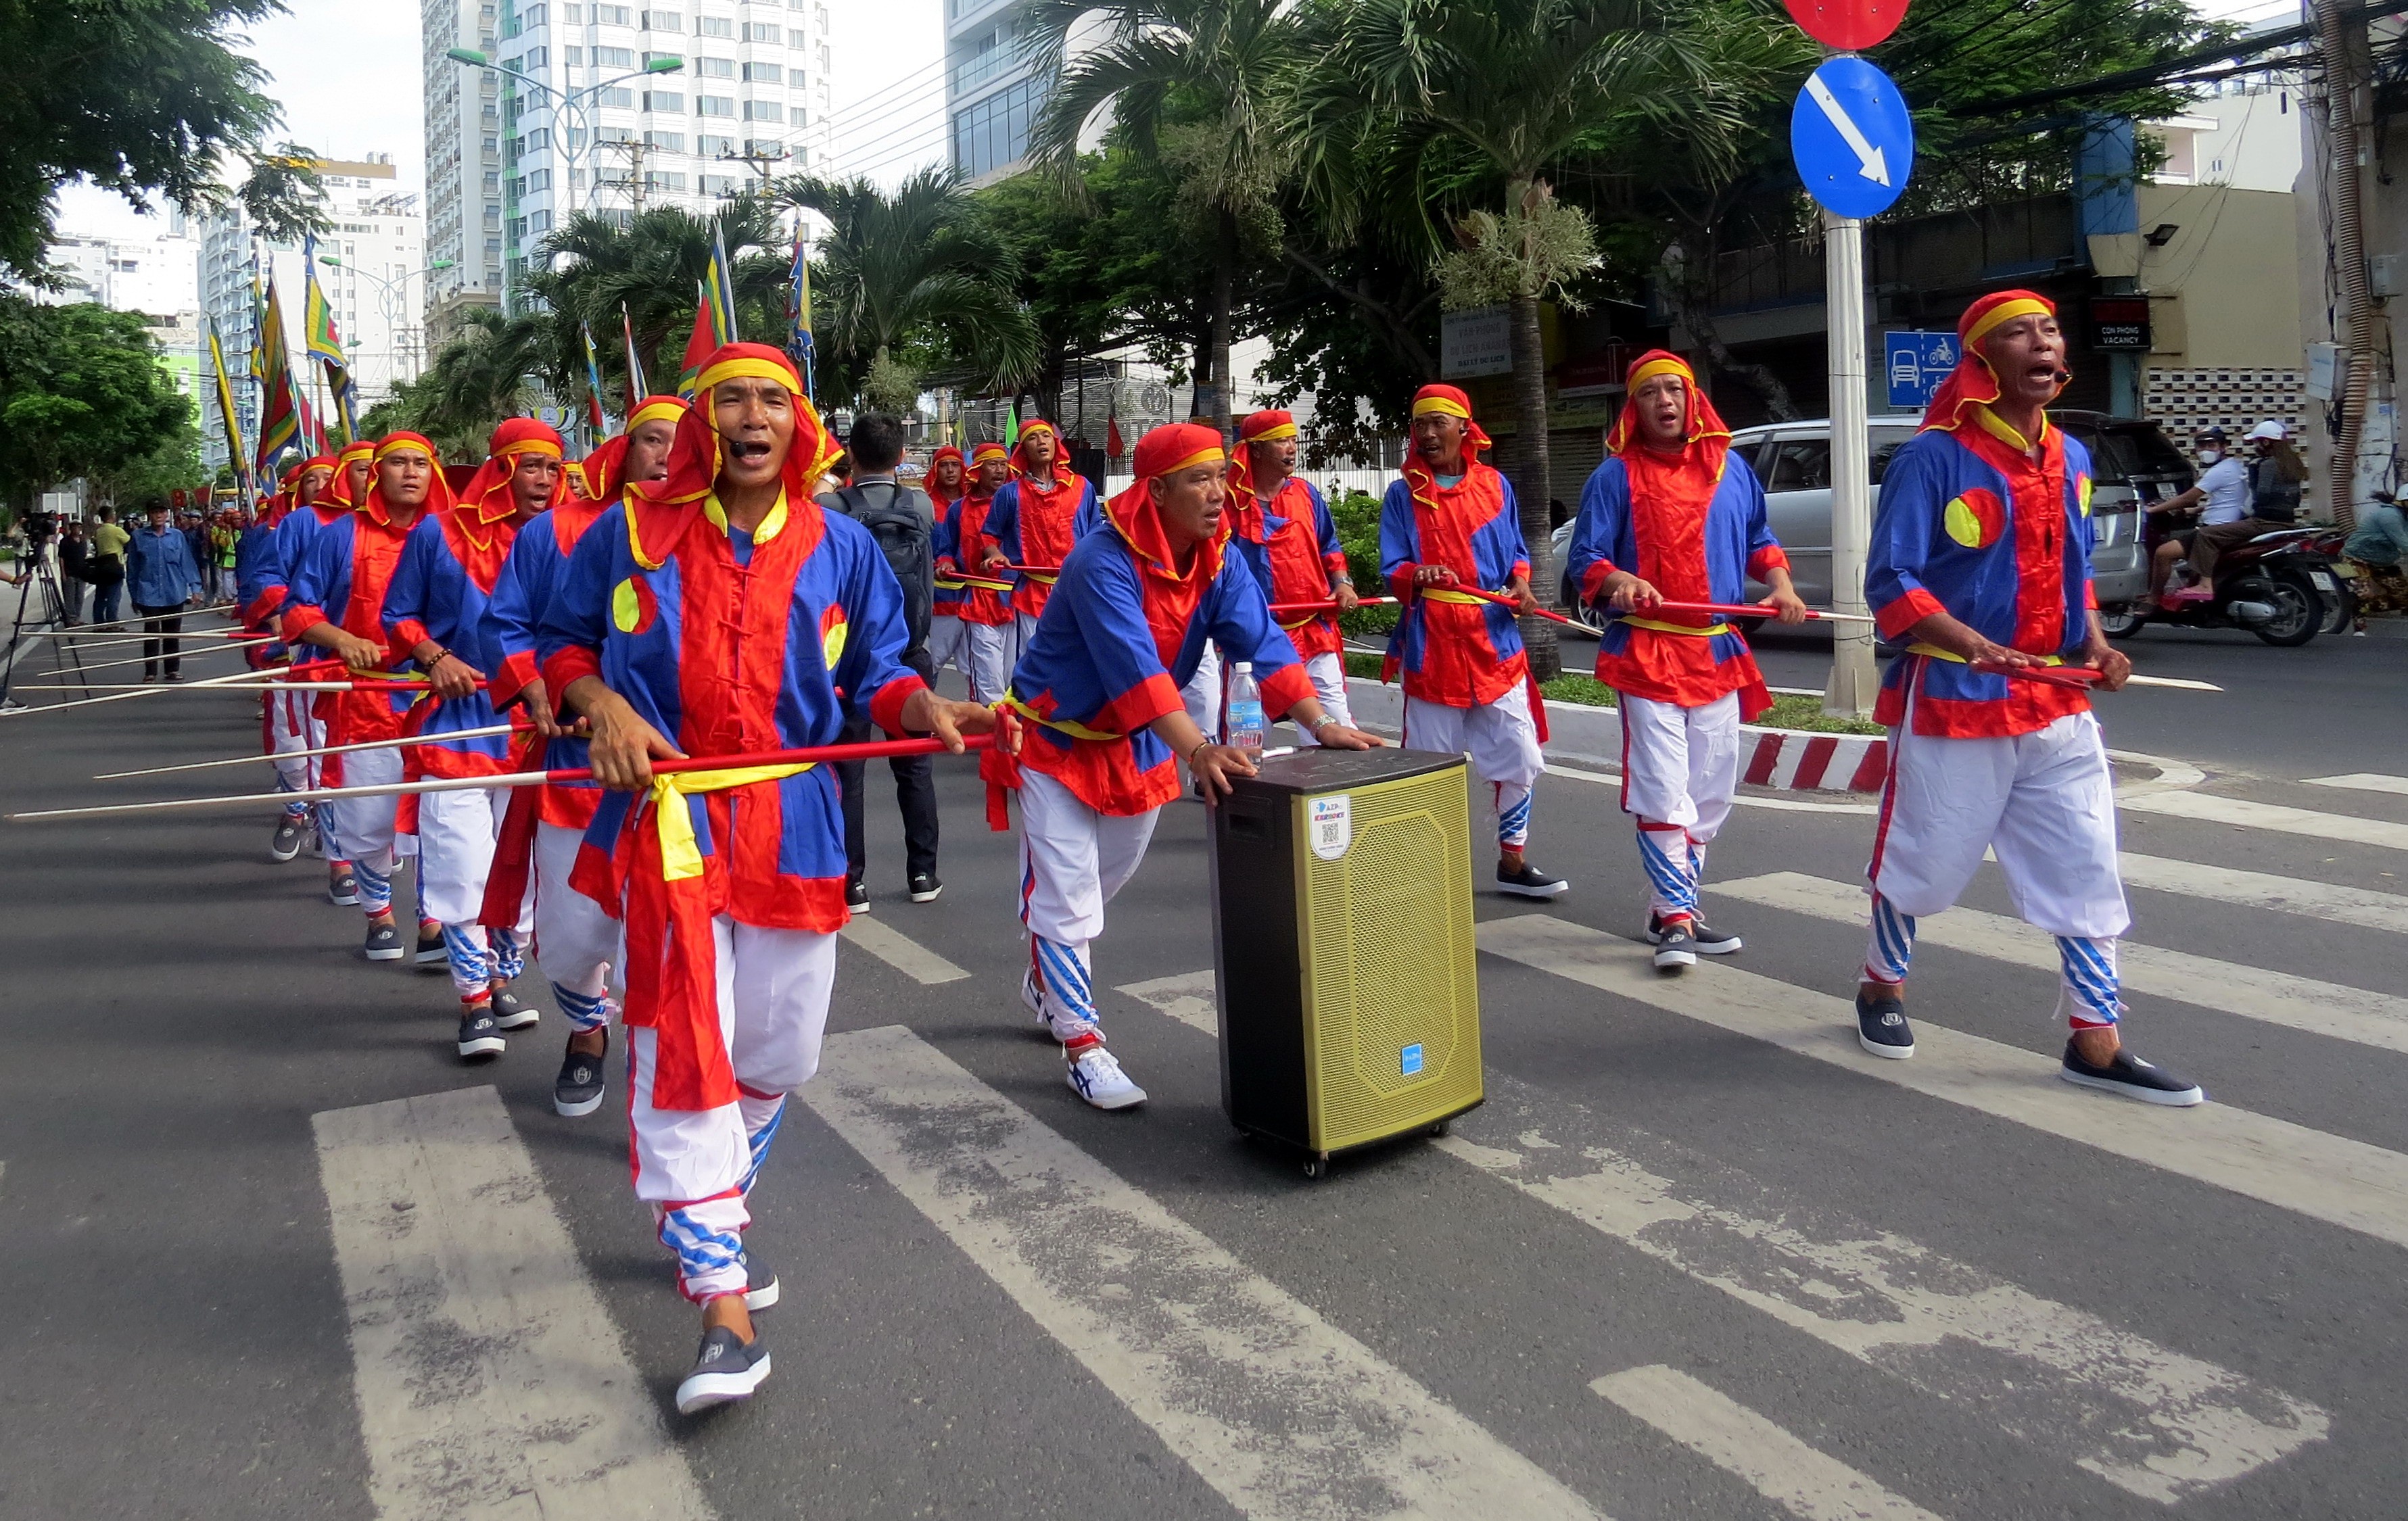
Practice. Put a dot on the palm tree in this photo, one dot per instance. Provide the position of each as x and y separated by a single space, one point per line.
1200 84
1520 86
910 286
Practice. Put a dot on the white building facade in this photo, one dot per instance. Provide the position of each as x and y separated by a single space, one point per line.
991 95
570 118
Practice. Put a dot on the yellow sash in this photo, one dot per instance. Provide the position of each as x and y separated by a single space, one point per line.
1939 654
1445 594
1060 726
680 853
1638 622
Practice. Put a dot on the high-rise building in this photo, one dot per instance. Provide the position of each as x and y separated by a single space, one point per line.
371 265
582 111
992 93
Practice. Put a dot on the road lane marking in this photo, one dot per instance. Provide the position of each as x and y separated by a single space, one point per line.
1795 805
1284 1414
2202 808
2323 1177
1190 998
1737 1439
2249 993
2149 1420
2364 781
900 951
2277 894
491 1383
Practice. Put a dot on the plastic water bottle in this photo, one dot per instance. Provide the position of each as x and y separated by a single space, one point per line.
1245 711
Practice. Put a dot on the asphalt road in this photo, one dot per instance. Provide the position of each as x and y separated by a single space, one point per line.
1695 1257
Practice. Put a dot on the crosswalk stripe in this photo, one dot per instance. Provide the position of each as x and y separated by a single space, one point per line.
1189 998
2202 808
900 951
1282 1413
1784 1470
2323 1177
2364 781
2152 1421
1744 799
2278 894
2273 998
490 1381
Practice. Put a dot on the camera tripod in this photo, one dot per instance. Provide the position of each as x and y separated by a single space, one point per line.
42 573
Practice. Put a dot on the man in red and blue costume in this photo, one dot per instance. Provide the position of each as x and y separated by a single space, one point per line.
287 726
1450 523
1123 630
722 613
1980 567
1672 514
1281 527
948 640
434 611
574 939
336 602
1035 519
964 545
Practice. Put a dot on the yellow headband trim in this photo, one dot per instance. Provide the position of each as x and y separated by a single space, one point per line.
405 445
747 368
531 445
1027 428
657 412
1212 454
1442 405
991 454
1283 430
2003 313
362 450
1655 367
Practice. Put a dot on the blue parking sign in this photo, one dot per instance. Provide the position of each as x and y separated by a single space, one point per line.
1917 363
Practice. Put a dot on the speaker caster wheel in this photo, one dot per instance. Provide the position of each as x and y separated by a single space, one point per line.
1440 1129
1316 1167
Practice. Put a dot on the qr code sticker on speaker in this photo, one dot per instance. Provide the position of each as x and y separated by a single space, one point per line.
1332 821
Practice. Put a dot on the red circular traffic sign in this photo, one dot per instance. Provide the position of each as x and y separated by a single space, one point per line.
1848 24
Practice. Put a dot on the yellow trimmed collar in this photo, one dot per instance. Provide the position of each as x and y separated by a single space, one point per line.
2005 432
771 526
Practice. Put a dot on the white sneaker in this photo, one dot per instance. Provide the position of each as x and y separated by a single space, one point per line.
1095 1077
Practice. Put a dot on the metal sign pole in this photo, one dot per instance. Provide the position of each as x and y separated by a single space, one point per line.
1853 676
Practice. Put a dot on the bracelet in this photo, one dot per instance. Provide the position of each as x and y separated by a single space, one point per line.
1327 720
1201 746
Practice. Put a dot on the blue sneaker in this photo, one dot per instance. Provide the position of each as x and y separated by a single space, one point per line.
724 1370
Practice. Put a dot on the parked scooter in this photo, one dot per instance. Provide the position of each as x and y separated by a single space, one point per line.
2278 586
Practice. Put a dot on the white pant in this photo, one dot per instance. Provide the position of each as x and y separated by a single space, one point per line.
1503 742
695 1167
1073 860
948 644
1202 693
291 726
457 834
1327 673
993 649
2045 801
1679 766
575 942
360 830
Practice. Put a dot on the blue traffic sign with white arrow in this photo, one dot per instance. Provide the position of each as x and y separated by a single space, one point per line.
1852 138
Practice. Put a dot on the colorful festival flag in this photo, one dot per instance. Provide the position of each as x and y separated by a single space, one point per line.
799 345
226 411
637 386
592 385
324 344
280 410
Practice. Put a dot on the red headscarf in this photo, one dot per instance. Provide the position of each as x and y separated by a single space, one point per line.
1446 400
1690 475
660 510
439 488
1174 446
1259 428
1973 383
339 491
1020 465
487 498
984 452
601 472
937 492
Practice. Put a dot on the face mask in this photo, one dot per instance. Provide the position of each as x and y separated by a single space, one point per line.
2208 456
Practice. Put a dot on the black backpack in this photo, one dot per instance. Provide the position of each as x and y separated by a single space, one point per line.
905 527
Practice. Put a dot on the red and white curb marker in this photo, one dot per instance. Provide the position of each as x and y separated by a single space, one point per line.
1782 757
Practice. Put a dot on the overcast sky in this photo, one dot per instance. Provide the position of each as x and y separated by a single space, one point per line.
347 75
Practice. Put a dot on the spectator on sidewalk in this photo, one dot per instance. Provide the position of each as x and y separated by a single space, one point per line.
75 557
904 522
164 577
108 544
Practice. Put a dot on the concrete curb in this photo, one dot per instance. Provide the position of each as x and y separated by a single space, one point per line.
1784 759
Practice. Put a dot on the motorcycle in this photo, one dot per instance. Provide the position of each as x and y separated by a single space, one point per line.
2364 588
2278 586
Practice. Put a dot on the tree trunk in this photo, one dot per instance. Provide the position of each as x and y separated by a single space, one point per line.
1530 480
1225 281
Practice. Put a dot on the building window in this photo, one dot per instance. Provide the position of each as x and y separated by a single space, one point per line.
539 179
798 39
537 58
518 188
612 15
622 97
664 21
718 185
713 26
993 132
667 142
572 15
493 183
764 74
532 16
539 139
667 179
799 116
614 57
714 106
518 229
573 57
715 68
539 222
712 148
763 110
665 100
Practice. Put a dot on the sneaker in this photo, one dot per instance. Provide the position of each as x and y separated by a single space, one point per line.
925 887
1706 940
2128 1075
1676 946
1095 1077
384 941
578 1090
1529 882
343 890
1881 1027
857 897
478 1036
430 948
760 1283
510 1011
724 1370
286 843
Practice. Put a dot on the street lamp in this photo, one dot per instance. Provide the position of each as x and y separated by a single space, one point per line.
577 102
391 293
